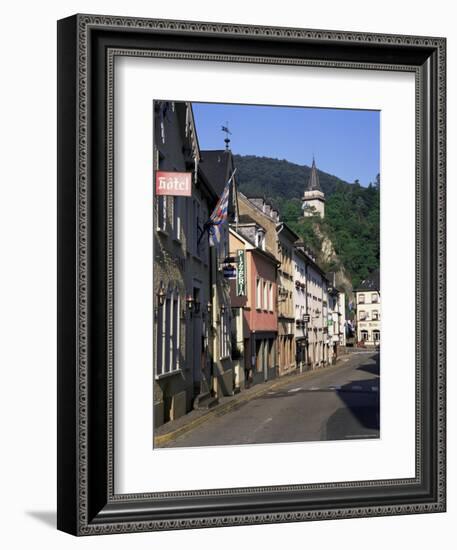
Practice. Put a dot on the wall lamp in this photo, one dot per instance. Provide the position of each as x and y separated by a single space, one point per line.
161 295
190 302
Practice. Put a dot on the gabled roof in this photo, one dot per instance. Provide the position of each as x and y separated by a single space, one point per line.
252 246
299 248
215 166
370 283
247 219
282 226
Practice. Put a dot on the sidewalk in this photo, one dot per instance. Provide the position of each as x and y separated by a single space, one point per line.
173 429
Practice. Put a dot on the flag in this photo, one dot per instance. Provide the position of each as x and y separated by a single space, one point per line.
219 215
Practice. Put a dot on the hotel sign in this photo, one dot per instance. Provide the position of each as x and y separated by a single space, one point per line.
241 273
174 183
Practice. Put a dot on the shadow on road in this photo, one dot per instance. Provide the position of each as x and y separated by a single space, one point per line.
359 417
372 367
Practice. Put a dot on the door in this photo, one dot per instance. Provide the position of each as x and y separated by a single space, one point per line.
197 345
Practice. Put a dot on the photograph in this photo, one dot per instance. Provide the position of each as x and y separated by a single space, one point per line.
266 274
251 234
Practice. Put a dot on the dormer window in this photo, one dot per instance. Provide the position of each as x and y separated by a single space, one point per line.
260 239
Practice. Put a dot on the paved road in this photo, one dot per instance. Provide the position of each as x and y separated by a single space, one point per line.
339 404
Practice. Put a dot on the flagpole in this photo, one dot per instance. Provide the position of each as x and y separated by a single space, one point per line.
209 223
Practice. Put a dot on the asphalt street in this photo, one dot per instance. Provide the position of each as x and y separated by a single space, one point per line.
337 404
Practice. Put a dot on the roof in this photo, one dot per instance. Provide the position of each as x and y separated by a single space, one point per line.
255 249
299 248
370 283
313 182
214 165
282 226
246 218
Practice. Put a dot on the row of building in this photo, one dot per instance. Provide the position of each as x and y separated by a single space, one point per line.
251 309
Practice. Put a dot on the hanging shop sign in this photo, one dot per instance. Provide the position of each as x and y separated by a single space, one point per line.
241 273
229 271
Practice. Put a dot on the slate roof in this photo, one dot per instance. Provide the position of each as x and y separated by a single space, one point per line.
214 165
246 218
313 182
370 283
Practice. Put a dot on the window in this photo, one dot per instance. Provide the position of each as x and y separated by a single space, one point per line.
361 299
204 244
265 296
265 355
258 355
168 334
374 298
362 315
364 334
376 335
272 359
225 241
270 300
375 315
224 335
196 232
258 297
177 218
193 227
162 212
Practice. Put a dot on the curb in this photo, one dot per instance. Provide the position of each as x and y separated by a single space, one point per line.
218 409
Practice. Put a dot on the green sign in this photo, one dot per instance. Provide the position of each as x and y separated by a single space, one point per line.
241 273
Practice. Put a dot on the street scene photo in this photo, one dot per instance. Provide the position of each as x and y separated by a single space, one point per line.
266 274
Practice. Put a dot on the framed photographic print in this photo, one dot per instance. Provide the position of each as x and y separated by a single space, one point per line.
251 274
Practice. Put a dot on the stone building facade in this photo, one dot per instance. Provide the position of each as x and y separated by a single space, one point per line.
217 168
192 315
313 201
181 272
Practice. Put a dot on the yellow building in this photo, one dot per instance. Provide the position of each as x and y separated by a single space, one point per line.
286 287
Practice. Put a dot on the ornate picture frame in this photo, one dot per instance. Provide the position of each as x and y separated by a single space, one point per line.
87 501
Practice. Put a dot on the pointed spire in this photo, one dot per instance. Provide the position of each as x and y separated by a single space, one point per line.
313 183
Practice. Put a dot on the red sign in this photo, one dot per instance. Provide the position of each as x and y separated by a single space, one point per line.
174 183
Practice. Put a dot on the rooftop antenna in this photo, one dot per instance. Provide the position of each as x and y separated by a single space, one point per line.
227 134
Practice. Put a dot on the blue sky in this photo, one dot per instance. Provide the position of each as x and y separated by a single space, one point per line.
345 142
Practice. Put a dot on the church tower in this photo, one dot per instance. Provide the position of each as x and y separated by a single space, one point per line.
313 201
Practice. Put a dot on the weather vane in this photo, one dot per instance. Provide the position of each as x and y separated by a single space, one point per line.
227 134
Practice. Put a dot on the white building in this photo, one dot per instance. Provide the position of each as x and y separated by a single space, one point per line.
336 318
300 261
368 300
342 318
317 297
